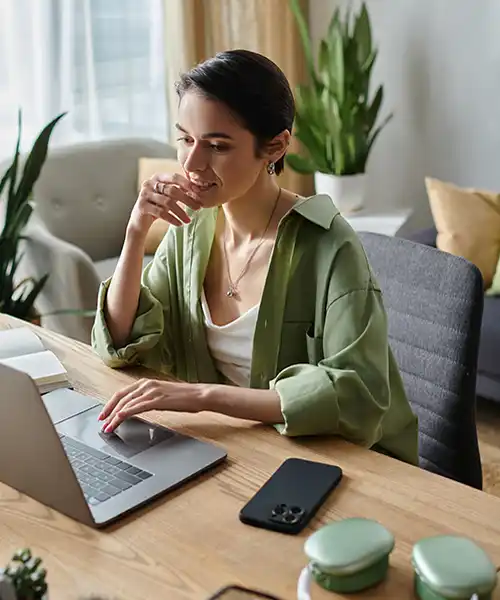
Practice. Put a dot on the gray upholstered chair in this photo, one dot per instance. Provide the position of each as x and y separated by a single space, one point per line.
434 304
83 201
488 365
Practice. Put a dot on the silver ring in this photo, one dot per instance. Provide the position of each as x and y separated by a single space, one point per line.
156 187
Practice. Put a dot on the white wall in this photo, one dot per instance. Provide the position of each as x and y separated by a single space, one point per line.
440 63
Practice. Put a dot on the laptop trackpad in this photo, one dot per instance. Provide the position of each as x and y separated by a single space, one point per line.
130 438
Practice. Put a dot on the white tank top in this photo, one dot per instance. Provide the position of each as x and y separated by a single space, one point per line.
231 345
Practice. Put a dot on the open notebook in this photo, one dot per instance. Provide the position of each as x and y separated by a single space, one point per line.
22 349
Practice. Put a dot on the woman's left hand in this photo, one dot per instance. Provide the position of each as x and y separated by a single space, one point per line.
150 394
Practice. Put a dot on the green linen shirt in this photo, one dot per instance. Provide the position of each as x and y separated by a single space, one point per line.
321 334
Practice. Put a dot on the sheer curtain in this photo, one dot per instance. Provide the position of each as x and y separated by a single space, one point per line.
102 61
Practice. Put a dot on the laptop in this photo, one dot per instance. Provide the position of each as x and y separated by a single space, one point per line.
52 449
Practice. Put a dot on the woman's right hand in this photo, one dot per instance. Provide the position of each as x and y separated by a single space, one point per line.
162 197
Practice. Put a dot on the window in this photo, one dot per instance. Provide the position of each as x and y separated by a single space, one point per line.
102 62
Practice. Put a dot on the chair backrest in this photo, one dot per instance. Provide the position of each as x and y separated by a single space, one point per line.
86 191
434 304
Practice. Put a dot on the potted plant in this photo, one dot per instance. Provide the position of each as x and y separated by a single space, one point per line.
335 117
24 578
17 298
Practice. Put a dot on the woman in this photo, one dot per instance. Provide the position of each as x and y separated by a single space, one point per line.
262 302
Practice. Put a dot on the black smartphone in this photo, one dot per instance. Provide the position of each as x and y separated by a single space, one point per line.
291 496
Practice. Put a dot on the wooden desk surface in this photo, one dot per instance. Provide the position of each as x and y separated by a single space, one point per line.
189 543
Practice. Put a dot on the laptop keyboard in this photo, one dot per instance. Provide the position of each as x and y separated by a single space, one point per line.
100 475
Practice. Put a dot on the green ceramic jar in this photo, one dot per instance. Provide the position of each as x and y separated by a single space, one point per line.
349 555
450 567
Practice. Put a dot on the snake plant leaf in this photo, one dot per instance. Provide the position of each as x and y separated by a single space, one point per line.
363 34
339 67
324 62
334 26
304 36
312 140
300 164
5 179
377 131
367 66
374 108
24 306
347 21
11 271
330 154
7 303
18 221
35 160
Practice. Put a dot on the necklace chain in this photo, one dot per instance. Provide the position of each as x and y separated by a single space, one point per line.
232 290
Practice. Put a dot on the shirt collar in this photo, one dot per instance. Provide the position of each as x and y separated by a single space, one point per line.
319 209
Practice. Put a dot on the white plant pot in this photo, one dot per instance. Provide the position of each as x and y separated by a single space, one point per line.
346 191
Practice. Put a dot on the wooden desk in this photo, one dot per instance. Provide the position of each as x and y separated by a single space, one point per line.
189 543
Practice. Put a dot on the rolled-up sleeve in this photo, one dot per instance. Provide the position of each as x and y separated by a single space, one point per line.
348 391
148 341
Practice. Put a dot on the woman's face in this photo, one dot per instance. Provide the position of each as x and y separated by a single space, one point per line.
215 151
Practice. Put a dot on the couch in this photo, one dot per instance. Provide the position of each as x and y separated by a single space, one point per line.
83 200
488 368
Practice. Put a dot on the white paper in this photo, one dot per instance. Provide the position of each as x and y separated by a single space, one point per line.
18 341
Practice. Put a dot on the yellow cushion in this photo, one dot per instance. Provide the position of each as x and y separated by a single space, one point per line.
468 224
147 168
494 289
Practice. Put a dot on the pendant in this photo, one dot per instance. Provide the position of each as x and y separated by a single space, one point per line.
231 292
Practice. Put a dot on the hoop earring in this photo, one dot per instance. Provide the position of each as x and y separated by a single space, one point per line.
271 168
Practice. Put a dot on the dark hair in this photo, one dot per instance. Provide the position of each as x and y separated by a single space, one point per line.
254 89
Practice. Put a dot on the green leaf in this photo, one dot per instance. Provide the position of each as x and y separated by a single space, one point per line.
4 180
339 166
24 305
35 161
377 131
304 36
373 109
7 289
323 62
311 139
350 143
366 72
11 271
333 122
334 27
360 156
363 35
347 20
18 220
300 164
339 73
367 65
330 154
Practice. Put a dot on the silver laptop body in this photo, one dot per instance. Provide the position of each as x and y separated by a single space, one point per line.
52 449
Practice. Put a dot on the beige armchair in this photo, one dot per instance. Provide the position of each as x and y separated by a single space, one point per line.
83 201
